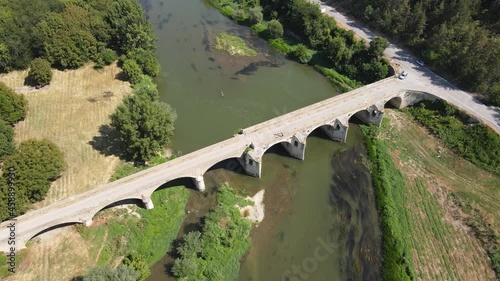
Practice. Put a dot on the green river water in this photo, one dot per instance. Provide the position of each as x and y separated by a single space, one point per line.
327 199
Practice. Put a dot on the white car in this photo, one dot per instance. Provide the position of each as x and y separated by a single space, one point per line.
419 62
403 75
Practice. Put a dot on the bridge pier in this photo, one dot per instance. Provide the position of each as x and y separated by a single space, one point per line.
337 131
251 166
148 203
297 147
372 115
200 183
87 223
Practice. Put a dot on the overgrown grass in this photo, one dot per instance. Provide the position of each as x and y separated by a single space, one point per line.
4 266
440 184
149 236
233 45
215 253
391 201
476 143
128 168
338 80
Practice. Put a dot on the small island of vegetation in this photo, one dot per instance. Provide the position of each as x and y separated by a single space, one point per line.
233 45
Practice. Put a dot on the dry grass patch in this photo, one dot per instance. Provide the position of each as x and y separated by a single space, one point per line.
69 113
444 247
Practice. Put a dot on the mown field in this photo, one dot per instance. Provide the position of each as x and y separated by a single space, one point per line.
69 112
443 246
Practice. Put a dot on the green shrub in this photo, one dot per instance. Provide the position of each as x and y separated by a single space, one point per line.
13 107
215 253
391 202
301 53
40 72
469 141
132 71
281 45
7 146
255 15
275 29
107 56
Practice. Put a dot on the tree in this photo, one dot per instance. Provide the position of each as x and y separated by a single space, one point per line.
40 72
145 126
107 273
378 46
107 56
138 263
7 146
146 60
275 29
37 163
255 15
132 70
13 107
301 53
130 28
147 88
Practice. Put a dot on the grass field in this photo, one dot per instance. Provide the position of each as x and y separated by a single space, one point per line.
444 247
69 112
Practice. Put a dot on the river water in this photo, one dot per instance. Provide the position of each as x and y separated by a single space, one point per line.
321 221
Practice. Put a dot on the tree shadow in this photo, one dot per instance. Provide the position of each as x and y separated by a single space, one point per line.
108 143
121 76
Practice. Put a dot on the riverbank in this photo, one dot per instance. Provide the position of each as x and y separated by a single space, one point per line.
336 54
216 251
434 178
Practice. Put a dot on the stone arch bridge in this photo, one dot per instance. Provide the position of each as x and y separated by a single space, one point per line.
291 130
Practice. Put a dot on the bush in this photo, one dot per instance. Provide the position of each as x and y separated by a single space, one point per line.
107 56
146 60
446 122
37 163
13 107
7 146
108 273
275 29
132 71
40 72
215 254
239 15
255 15
301 53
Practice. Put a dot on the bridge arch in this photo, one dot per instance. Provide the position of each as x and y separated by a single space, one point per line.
48 229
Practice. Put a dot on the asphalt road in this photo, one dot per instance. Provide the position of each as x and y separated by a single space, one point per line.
423 78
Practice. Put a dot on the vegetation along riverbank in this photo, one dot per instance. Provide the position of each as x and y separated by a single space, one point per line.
215 253
299 30
449 229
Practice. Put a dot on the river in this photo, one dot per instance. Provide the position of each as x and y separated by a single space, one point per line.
321 221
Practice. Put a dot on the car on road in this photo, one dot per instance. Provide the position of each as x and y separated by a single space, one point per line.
403 75
419 62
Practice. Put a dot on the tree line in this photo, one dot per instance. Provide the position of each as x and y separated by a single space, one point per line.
333 50
32 165
68 34
460 38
